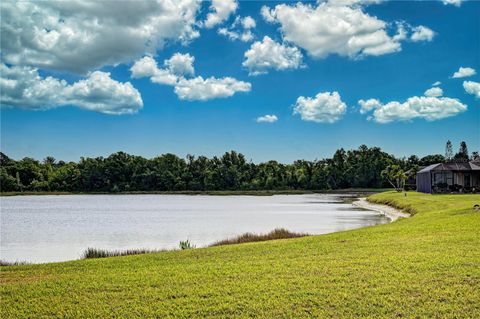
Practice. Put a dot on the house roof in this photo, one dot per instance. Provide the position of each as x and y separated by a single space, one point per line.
428 168
470 166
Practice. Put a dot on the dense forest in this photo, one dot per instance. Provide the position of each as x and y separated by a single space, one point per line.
121 172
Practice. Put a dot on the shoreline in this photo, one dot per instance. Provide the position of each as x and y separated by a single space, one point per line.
391 213
358 191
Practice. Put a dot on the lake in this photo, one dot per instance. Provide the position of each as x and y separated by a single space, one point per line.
58 228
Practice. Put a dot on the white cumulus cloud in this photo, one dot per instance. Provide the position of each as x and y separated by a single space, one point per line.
368 105
267 14
178 65
176 73
23 87
325 107
464 72
341 27
437 83
147 67
423 107
248 22
181 64
472 88
332 28
269 54
79 36
199 89
434 92
267 119
240 29
221 11
422 33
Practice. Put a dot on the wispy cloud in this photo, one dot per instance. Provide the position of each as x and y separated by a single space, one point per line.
267 119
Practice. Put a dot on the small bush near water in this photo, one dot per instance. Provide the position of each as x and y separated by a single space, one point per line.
278 233
186 244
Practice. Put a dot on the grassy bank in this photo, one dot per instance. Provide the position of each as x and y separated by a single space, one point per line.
426 266
216 193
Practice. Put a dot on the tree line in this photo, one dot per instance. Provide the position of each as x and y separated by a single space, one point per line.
122 172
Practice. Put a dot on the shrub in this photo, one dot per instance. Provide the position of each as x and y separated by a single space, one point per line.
186 244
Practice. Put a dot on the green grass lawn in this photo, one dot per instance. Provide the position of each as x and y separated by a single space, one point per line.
426 266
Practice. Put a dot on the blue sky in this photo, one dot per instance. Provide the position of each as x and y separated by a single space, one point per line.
68 122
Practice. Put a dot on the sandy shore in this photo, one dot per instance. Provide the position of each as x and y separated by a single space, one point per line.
392 213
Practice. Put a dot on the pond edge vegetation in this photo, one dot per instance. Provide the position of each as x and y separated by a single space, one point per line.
276 234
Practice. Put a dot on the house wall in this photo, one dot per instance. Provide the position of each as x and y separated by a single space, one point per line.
424 182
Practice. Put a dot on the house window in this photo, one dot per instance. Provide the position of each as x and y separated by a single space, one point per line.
449 178
440 178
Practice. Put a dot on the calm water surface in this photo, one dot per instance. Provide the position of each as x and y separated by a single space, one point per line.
58 228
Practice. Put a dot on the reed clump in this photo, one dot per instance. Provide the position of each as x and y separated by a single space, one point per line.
103 253
278 233
13 263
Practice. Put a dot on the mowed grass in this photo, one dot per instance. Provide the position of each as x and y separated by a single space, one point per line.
426 266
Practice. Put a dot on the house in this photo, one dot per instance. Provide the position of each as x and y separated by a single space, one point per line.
449 177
